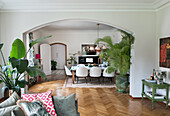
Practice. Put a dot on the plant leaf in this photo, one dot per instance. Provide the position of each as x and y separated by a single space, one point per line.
1 45
1 81
20 64
21 83
18 49
34 71
38 40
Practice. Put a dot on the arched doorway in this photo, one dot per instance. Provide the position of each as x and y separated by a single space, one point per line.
59 54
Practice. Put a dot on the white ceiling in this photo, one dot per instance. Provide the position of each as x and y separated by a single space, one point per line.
76 25
56 5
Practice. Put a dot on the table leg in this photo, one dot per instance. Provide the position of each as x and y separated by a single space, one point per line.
142 91
167 96
73 77
153 95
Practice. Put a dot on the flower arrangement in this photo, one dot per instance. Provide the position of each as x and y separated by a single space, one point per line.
159 75
104 56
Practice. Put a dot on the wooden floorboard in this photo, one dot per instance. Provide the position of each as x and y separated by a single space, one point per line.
102 101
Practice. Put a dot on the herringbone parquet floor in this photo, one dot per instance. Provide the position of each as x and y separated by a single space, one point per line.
103 101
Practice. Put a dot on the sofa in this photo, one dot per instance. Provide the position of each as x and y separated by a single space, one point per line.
64 106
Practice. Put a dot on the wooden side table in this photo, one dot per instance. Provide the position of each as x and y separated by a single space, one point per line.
155 86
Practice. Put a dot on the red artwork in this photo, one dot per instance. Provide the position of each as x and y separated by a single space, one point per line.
165 52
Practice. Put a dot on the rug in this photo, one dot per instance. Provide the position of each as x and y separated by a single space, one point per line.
93 84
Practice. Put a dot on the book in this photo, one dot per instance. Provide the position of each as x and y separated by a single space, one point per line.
157 96
150 81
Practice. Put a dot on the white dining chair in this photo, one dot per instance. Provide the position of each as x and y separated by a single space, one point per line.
81 72
68 73
108 75
95 72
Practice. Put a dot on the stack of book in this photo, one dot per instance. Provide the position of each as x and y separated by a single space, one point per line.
157 96
150 81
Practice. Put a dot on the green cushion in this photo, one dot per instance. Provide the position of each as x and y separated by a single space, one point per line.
7 111
10 101
65 106
33 108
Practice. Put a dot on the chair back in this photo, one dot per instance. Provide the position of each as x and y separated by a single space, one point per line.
95 72
81 65
106 74
82 72
68 72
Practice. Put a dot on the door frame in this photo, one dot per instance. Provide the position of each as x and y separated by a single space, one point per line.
65 50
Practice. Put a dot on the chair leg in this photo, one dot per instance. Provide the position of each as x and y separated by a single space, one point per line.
77 80
66 81
99 79
103 80
86 79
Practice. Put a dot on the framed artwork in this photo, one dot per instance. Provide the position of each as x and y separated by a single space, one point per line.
164 60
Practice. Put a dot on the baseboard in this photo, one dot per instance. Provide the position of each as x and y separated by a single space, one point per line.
133 98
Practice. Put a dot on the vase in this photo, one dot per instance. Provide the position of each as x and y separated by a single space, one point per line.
121 83
105 64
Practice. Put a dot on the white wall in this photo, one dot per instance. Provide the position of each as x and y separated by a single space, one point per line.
162 30
142 23
74 38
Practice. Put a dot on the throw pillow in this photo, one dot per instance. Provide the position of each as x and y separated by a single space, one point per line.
45 98
35 108
7 110
29 97
47 101
10 101
65 106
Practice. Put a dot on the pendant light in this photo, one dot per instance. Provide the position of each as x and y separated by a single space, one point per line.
97 47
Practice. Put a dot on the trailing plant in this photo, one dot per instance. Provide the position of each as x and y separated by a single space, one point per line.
17 67
119 54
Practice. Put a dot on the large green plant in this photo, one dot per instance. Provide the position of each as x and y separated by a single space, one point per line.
13 72
119 54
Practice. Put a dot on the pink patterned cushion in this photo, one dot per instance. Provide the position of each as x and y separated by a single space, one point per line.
29 97
47 101
45 98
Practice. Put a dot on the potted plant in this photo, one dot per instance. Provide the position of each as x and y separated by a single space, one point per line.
13 71
53 65
119 58
72 59
105 58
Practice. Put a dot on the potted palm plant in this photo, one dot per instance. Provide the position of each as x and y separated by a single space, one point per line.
119 58
13 71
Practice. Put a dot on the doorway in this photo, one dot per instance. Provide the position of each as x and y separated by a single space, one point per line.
59 54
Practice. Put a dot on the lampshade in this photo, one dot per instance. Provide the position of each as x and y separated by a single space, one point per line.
38 56
98 48
104 47
91 48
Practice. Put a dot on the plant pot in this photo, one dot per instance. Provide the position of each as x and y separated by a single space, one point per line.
53 68
122 83
8 93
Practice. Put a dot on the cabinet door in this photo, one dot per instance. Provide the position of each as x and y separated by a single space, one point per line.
45 51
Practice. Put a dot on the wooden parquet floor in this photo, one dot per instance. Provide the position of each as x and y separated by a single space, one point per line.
103 101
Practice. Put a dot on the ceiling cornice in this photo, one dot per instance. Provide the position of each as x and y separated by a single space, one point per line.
50 7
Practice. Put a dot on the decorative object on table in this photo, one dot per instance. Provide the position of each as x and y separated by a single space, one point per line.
53 65
72 59
159 76
164 60
13 77
105 58
150 81
90 65
119 58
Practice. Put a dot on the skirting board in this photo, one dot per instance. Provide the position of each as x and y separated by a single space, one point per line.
146 98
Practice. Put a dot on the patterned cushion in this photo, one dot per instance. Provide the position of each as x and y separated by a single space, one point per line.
29 97
45 98
35 108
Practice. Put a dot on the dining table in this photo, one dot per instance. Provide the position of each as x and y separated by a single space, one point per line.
74 68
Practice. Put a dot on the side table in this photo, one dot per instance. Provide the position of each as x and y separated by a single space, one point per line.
155 86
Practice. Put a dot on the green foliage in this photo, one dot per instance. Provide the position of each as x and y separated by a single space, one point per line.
18 49
13 77
104 56
53 63
119 54
72 59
